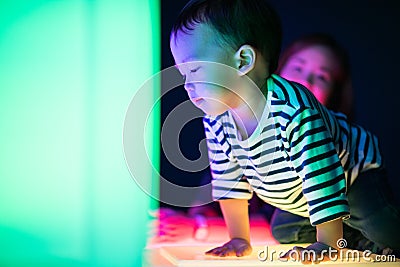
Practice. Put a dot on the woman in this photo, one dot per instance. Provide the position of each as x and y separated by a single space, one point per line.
319 63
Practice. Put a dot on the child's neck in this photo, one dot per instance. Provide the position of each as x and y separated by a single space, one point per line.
248 115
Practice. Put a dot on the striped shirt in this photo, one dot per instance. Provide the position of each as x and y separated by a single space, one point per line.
301 157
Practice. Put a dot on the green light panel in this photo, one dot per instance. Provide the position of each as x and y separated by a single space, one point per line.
68 71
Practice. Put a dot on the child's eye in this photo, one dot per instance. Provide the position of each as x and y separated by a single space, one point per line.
194 70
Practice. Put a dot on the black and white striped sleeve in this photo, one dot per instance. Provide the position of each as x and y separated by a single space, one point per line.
228 180
314 158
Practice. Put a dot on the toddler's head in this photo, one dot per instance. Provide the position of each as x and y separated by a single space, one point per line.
234 23
218 44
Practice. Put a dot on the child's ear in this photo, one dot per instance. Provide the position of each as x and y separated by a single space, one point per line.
245 58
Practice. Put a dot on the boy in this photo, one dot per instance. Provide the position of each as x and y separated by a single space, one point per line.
271 136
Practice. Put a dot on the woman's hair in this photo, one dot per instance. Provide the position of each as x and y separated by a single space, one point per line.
341 97
236 22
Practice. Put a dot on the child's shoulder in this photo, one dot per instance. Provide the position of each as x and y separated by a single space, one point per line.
291 94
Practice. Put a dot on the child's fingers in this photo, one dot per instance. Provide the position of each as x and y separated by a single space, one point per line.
228 252
293 254
216 251
243 251
327 258
212 251
235 247
223 251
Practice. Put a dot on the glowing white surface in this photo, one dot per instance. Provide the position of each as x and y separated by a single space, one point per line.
189 253
185 256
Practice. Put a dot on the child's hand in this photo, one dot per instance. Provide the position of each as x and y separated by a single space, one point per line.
313 254
236 247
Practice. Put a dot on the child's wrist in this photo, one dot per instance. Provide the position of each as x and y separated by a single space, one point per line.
241 239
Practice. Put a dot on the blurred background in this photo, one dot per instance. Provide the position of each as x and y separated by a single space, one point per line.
68 72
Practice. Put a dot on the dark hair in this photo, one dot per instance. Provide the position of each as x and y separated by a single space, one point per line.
341 97
237 22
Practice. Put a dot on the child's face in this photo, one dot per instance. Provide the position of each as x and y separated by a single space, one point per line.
314 67
210 79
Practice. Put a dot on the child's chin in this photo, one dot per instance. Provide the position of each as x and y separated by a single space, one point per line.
213 112
209 110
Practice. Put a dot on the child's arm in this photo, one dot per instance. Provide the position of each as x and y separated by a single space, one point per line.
330 232
236 217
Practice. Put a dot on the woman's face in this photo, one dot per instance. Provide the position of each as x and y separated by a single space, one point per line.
315 68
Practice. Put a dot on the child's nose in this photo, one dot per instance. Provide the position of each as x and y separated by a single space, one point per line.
310 79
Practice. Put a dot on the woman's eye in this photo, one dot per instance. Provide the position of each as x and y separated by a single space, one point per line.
322 78
297 69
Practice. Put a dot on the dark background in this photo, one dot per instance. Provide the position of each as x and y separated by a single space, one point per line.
367 29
